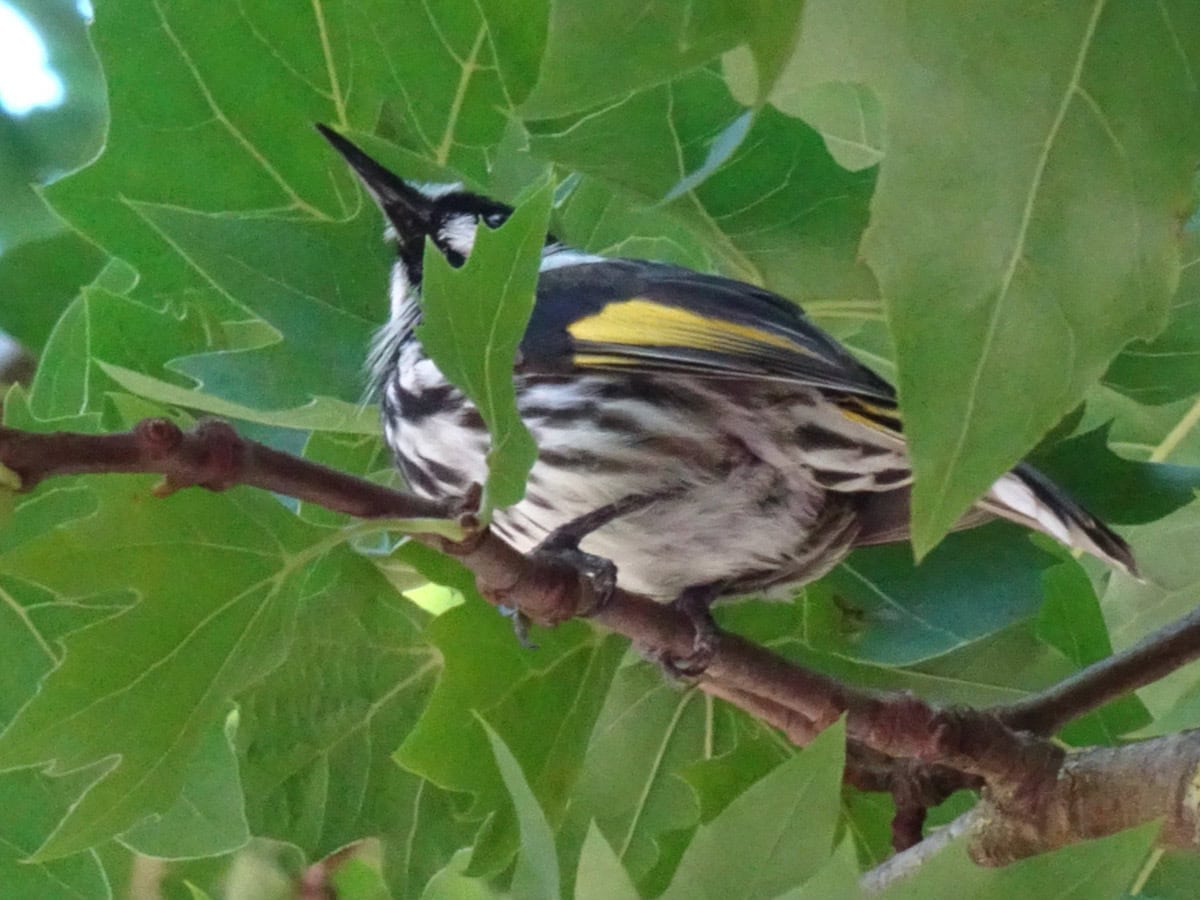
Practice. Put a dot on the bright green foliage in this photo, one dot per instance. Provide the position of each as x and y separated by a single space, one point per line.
536 874
1168 367
601 876
837 878
1070 135
991 209
208 819
775 835
472 321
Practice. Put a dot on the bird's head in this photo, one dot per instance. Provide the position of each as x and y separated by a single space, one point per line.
446 214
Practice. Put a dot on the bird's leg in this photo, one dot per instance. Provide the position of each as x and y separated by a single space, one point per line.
696 603
562 546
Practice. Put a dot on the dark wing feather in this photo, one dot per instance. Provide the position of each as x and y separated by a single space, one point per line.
633 316
652 317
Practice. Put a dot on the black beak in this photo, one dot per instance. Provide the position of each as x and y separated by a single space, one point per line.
409 211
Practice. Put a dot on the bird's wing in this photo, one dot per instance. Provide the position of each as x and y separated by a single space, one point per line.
631 315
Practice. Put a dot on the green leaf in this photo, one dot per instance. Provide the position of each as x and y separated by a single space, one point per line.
868 820
776 211
517 35
1117 490
293 276
356 879
32 803
37 281
524 695
1175 871
451 883
198 893
10 481
319 414
647 735
1166 553
200 140
1100 133
1168 367
101 327
8 495
454 70
849 119
837 878
1157 433
1000 667
601 875
1099 868
536 873
719 778
316 735
60 391
1071 621
208 818
775 835
753 69
659 40
218 577
897 613
596 218
473 319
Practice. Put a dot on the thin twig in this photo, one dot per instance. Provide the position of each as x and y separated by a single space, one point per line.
1158 654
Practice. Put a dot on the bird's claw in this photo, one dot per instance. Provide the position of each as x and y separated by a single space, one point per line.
694 603
597 574
689 668
520 625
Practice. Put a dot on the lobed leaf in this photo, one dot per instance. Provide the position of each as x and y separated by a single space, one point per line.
1069 136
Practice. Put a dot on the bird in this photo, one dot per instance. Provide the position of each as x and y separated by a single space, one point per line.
700 434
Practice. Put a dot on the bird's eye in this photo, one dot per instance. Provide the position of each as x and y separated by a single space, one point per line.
494 220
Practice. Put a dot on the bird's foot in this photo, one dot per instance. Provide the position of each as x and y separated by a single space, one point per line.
597 575
695 603
520 625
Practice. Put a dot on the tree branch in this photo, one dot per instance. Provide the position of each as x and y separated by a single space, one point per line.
212 456
1099 791
1158 654
900 743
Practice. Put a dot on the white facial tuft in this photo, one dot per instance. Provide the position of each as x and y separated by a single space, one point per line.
458 233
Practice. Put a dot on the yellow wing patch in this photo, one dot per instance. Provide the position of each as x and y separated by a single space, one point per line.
602 359
863 411
639 322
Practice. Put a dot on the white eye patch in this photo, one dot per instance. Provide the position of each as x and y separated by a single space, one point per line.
433 190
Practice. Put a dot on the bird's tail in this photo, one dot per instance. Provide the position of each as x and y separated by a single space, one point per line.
1027 496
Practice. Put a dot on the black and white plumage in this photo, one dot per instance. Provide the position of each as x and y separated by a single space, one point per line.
764 450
